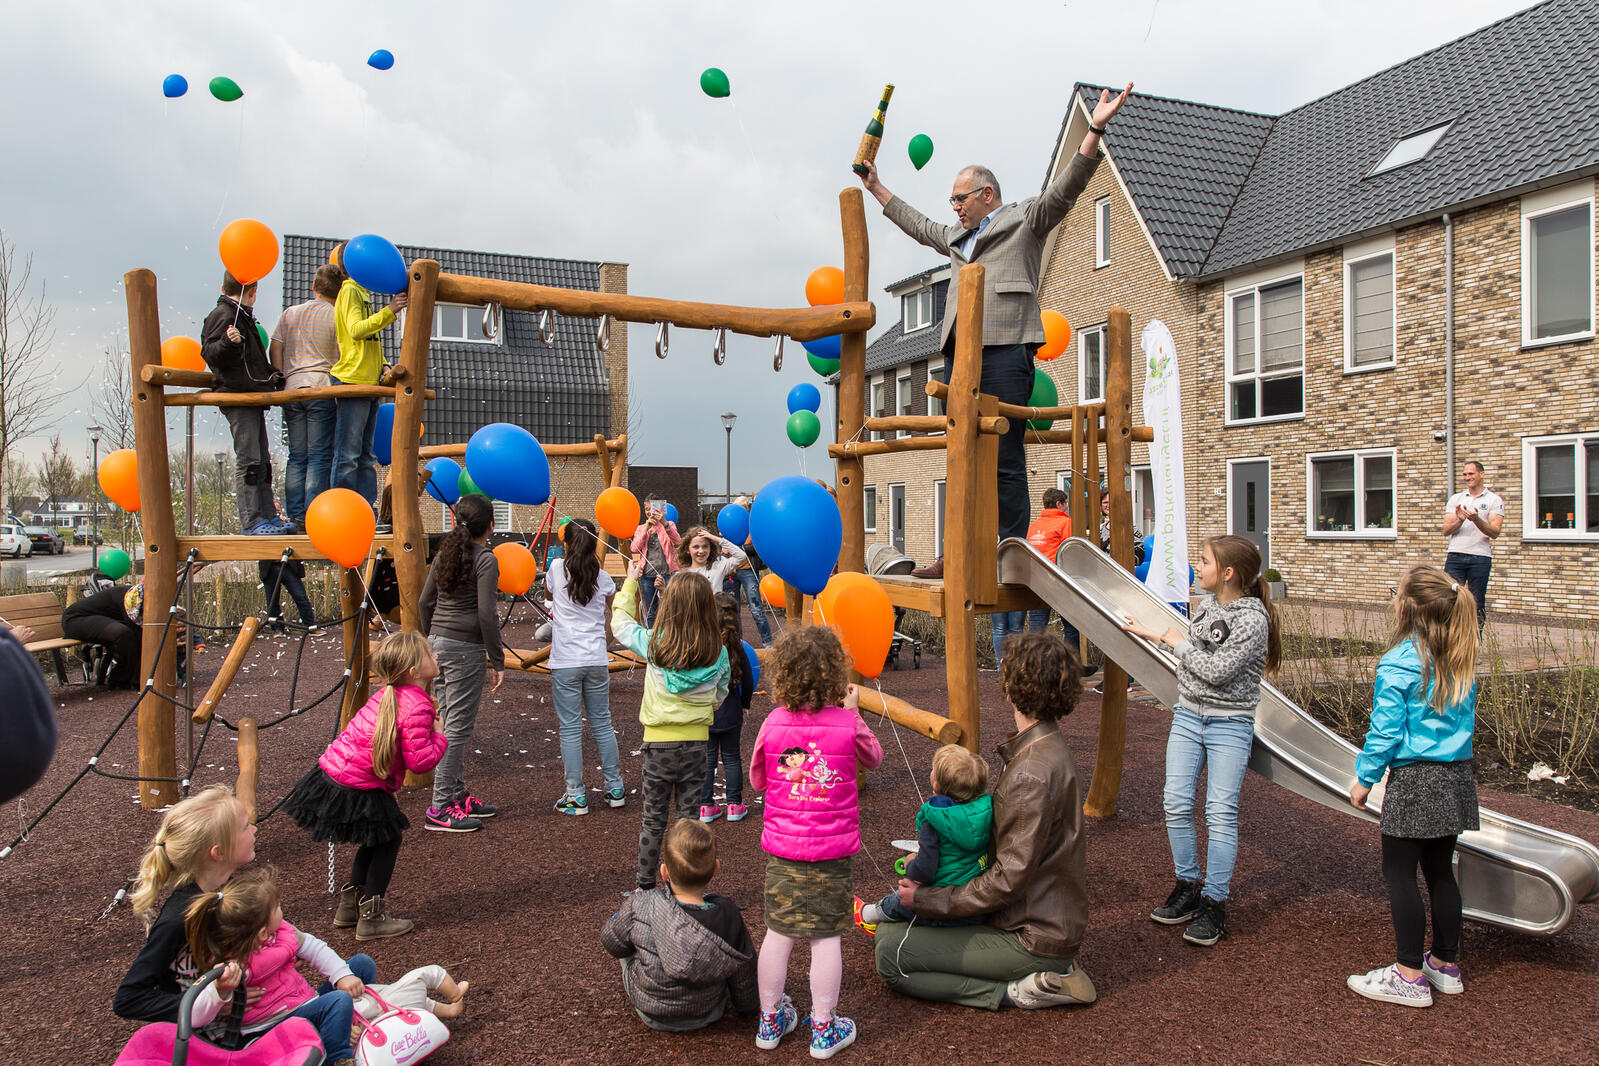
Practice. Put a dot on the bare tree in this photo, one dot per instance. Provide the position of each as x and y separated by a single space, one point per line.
112 403
30 385
18 480
58 476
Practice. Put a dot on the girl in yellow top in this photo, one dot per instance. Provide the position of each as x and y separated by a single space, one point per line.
360 363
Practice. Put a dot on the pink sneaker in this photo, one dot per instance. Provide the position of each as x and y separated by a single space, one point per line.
711 813
737 812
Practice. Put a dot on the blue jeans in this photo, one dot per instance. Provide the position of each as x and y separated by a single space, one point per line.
1472 571
646 589
1223 744
1007 623
749 590
354 464
332 1010
580 689
726 746
308 473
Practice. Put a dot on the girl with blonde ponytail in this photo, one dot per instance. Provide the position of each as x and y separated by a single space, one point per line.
348 795
201 842
1424 709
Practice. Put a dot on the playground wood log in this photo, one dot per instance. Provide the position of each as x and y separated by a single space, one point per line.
223 549
554 451
351 595
847 449
852 402
1135 434
249 766
963 489
930 725
228 671
410 540
932 424
157 748
798 323
939 390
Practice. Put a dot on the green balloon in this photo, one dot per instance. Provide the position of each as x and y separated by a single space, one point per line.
115 564
467 487
226 89
803 428
714 83
1044 395
921 150
266 341
825 367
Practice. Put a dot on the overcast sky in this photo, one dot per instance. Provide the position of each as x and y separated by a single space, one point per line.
579 130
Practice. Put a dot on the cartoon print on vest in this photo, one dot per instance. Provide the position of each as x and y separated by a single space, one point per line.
807 772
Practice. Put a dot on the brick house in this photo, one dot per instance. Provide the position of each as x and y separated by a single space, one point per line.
496 368
1300 263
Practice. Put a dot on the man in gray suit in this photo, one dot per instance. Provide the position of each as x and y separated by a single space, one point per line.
1008 239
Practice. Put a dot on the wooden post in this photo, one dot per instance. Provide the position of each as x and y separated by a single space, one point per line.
249 766
852 385
410 542
985 544
1102 792
351 593
228 671
1082 513
963 487
157 749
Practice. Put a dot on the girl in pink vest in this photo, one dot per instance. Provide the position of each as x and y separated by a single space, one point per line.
348 795
804 760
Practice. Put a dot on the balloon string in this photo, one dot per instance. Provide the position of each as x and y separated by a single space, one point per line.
749 148
894 727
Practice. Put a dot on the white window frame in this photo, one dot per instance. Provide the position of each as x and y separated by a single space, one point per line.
873 408
903 399
1533 208
916 311
1361 531
1349 313
1102 232
904 515
1229 296
935 406
1063 481
502 516
449 517
473 323
1529 495
1082 363
1139 473
940 508
869 494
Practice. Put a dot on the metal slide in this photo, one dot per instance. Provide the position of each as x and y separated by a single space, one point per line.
1512 873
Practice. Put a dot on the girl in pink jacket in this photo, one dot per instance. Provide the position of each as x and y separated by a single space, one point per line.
349 795
804 760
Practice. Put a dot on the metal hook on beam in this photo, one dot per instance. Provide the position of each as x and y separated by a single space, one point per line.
602 336
777 355
661 340
547 327
719 347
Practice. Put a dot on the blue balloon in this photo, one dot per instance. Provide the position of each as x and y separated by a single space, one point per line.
798 531
382 59
509 464
669 512
375 264
755 665
825 348
444 476
804 397
174 86
733 522
383 434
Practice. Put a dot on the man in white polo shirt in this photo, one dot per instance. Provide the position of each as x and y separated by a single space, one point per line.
1472 520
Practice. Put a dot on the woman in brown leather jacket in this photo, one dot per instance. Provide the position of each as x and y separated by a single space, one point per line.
1034 890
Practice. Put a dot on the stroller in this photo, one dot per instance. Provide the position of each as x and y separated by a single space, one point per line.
293 1042
886 559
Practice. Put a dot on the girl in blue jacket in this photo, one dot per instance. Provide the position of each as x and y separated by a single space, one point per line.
1422 716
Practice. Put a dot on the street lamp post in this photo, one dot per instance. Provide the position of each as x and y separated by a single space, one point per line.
222 496
728 418
94 522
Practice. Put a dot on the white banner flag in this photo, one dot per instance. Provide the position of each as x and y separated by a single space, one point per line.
1163 409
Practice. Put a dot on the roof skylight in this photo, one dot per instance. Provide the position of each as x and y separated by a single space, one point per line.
1411 148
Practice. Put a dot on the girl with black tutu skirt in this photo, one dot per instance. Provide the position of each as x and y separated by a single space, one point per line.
349 795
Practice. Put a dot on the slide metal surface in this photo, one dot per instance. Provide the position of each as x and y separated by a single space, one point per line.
1512 874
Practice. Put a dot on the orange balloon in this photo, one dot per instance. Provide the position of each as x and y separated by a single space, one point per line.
249 250
340 524
182 353
617 511
825 286
772 591
518 568
860 610
1057 335
119 477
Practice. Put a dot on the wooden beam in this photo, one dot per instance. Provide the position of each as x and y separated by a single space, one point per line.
554 451
921 594
938 390
930 725
999 426
883 447
228 671
850 475
157 718
351 594
409 546
228 548
281 398
157 374
963 487
798 323
249 752
1141 434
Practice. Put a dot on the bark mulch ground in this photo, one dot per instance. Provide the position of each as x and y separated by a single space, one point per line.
517 908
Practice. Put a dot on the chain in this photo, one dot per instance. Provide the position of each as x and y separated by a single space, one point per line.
332 888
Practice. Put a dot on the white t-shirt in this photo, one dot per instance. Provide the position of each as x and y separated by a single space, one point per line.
1468 539
578 636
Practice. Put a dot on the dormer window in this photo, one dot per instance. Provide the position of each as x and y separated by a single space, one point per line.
1412 148
918 310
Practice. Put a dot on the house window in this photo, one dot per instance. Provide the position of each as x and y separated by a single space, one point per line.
1063 481
1411 148
1143 501
935 372
902 399
1091 364
871 508
1102 232
502 517
460 324
1351 494
449 517
879 404
918 310
1266 352
1369 313
938 517
1561 478
1557 273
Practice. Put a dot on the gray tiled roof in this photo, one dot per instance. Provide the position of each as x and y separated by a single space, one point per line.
1523 94
895 347
560 394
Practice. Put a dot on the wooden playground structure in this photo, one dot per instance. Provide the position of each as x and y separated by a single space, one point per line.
968 432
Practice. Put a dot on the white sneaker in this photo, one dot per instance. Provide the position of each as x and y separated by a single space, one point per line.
1387 985
1444 977
1047 989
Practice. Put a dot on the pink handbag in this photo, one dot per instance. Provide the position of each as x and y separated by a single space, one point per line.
399 1036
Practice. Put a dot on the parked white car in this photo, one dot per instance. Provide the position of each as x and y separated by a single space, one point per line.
14 542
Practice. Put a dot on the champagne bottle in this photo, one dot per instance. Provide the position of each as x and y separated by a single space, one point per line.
873 137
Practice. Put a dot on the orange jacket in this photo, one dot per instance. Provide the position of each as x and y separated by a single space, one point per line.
1047 533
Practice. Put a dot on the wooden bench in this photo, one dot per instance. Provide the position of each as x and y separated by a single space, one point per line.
41 612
